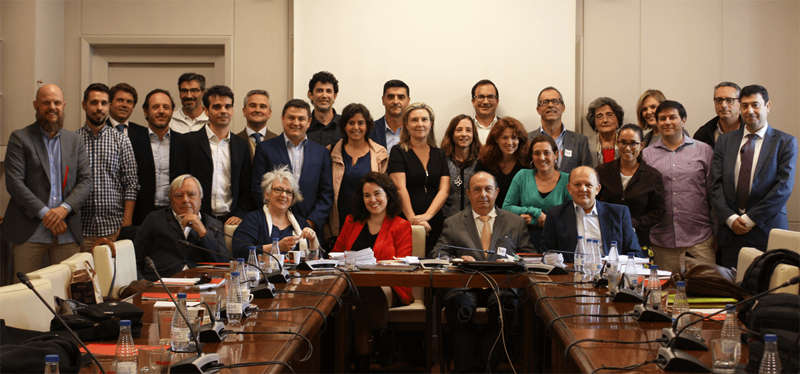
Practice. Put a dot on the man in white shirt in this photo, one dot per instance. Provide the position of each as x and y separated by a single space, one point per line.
257 111
191 116
123 100
485 98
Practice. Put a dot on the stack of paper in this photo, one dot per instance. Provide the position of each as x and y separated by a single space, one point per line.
363 257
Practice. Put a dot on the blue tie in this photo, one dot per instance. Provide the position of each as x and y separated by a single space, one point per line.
121 128
257 137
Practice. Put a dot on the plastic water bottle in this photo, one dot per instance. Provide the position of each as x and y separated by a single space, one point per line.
126 352
580 255
680 306
252 272
51 364
770 361
275 251
654 286
631 276
234 307
180 330
244 284
729 330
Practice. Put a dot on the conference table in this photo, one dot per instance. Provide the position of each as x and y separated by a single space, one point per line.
252 348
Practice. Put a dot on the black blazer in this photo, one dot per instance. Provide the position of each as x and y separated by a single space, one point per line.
195 159
146 168
644 196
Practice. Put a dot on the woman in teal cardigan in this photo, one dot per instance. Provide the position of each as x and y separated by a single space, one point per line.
535 190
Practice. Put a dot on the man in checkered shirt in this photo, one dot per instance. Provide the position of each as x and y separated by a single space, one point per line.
110 205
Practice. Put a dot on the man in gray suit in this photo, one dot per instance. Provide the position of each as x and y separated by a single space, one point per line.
483 226
48 178
257 111
573 148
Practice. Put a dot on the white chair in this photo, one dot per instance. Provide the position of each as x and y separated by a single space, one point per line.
229 230
59 275
123 257
746 257
21 308
784 239
415 312
782 274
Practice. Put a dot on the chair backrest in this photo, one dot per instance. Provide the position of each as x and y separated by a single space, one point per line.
782 274
125 266
230 229
76 261
746 257
59 275
23 309
418 240
784 239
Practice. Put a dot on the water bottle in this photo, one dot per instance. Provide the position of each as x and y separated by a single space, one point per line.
51 364
613 268
770 361
729 330
252 271
680 306
244 284
234 306
275 251
580 255
126 352
631 276
180 330
654 286
592 258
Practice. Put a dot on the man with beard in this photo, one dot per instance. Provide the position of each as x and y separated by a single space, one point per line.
123 99
396 96
485 99
192 116
257 111
154 148
113 198
323 88
48 178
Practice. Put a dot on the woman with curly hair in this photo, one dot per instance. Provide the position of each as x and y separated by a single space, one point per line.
504 154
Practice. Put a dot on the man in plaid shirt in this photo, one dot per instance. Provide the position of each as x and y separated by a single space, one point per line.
113 197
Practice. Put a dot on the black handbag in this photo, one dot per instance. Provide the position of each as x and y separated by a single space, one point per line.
101 321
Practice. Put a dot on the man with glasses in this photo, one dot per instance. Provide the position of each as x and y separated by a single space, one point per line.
573 148
685 166
726 105
191 116
485 99
753 176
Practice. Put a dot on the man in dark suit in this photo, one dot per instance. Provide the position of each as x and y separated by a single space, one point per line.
309 162
155 148
483 226
587 217
726 105
123 99
48 178
753 175
160 234
257 111
573 148
386 131
220 161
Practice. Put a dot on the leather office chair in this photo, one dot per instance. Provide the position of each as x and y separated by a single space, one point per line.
30 313
122 257
777 239
59 275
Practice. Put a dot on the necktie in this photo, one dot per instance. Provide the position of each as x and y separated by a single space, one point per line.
257 137
121 128
486 233
745 167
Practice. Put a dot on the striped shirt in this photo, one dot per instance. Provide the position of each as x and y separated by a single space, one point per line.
115 181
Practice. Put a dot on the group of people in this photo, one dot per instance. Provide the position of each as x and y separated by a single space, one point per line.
348 182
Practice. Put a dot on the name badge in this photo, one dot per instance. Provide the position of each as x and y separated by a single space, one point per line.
567 153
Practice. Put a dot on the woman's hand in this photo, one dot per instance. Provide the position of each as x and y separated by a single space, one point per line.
541 219
418 219
310 235
527 218
427 227
287 243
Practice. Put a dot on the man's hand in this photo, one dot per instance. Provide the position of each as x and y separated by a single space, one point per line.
193 221
233 220
53 217
739 226
60 228
468 258
527 218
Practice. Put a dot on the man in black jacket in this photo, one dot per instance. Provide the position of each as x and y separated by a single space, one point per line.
726 104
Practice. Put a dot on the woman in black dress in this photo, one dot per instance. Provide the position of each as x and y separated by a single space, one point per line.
419 169
504 154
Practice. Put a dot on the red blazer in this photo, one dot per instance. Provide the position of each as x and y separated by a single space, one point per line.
394 239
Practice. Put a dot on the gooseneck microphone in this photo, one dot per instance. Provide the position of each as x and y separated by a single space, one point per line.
282 277
25 280
262 291
439 251
647 313
195 364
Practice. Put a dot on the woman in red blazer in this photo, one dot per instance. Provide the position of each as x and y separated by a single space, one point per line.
375 223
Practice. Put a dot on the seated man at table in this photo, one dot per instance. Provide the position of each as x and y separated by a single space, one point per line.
160 234
587 217
485 227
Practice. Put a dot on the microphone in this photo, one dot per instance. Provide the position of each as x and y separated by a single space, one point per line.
195 364
215 331
262 291
25 280
282 277
439 251
646 313
671 359
680 340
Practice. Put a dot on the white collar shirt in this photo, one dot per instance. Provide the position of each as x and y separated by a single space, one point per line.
221 195
589 224
296 155
182 123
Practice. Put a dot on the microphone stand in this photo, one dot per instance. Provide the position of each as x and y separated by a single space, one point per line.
646 313
279 278
192 364
24 279
265 291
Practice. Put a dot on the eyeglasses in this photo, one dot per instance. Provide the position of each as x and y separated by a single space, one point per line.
280 191
548 102
623 144
601 116
729 101
193 91
491 98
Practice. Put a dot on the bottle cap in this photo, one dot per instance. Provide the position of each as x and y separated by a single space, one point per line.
234 273
125 322
51 358
580 237
613 242
252 248
680 283
653 267
240 260
770 338
181 295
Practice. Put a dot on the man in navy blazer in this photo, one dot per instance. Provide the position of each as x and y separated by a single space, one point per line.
309 162
227 195
122 99
750 202
386 131
572 147
156 167
609 222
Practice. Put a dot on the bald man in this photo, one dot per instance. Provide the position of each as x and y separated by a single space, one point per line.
48 178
